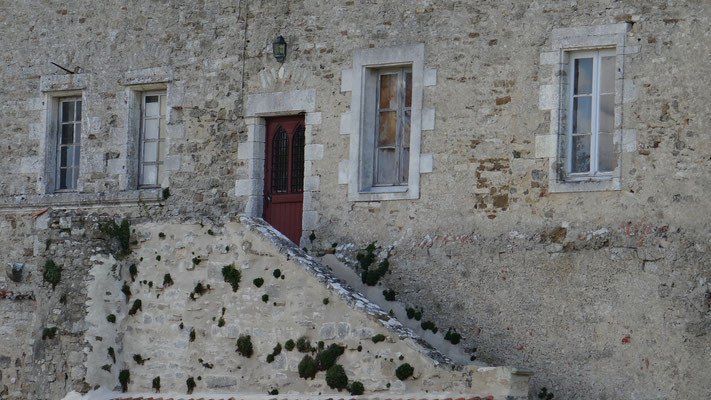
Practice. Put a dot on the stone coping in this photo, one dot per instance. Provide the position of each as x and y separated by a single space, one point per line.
81 200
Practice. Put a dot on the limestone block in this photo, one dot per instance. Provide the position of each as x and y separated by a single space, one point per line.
309 220
312 183
36 131
343 175
313 152
547 97
31 165
428 119
346 123
549 58
248 150
430 77
629 140
116 166
35 104
313 118
248 187
346 80
545 146
426 162
172 162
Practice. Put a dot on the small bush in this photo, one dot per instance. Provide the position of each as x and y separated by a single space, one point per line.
404 371
545 394
277 349
325 301
122 232
273 392
133 271
327 358
270 358
137 305
124 377
371 276
232 276
138 359
308 367
389 294
453 336
265 298
429 325
196 260
356 388
289 345
378 338
190 382
106 367
166 193
49 333
210 232
244 346
277 273
192 334
156 384
161 235
221 322
336 377
303 345
167 280
110 351
126 290
52 273
111 318
258 282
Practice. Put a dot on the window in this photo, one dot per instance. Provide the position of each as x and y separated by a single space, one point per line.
394 107
68 143
152 142
385 123
591 120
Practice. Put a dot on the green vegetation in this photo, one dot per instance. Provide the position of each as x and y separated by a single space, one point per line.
429 325
308 367
312 237
273 392
378 338
49 333
133 271
232 276
156 384
137 305
404 371
356 388
192 334
545 394
389 294
258 282
167 280
210 232
166 193
138 359
161 235
412 313
289 345
52 273
325 301
275 351
198 290
244 346
110 351
124 377
277 273
190 382
220 322
336 377
126 290
196 260
453 336
122 232
265 298
111 318
327 358
303 345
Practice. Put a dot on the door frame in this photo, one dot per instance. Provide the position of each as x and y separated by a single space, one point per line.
251 154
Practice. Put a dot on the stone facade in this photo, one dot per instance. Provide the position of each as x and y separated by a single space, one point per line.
602 289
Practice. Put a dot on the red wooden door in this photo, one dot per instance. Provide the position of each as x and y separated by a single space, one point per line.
284 175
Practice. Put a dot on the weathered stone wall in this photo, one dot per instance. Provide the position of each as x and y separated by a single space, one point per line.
485 212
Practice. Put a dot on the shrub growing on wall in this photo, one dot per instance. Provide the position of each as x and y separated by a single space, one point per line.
52 273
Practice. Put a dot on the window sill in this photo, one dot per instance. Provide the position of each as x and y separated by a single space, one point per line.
385 189
384 193
81 200
585 184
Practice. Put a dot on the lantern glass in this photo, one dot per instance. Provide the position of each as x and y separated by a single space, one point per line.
279 49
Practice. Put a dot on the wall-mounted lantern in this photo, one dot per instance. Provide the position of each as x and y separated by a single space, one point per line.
279 48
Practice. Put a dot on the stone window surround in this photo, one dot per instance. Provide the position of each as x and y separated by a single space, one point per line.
354 80
252 152
552 97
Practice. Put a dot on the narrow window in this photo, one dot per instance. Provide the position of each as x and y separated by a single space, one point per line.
152 145
592 114
68 143
394 105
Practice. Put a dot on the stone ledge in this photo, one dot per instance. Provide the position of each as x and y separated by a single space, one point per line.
81 200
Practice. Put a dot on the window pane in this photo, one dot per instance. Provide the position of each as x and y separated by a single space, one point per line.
149 175
67 111
607 113
78 116
388 91
387 166
152 106
159 176
152 128
77 132
64 156
63 178
607 74
74 177
67 134
76 156
408 89
150 151
406 129
582 109
607 154
581 154
404 164
162 128
583 76
387 128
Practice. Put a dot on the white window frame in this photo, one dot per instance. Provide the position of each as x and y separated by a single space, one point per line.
76 145
367 63
160 163
594 172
